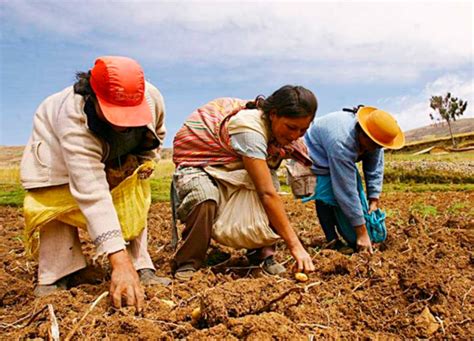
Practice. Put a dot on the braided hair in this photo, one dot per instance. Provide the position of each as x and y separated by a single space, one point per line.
288 101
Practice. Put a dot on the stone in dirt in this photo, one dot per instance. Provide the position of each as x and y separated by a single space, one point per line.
426 322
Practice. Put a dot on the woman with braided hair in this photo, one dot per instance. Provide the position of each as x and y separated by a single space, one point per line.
225 155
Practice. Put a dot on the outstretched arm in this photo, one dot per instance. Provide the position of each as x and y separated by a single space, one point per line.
261 177
82 153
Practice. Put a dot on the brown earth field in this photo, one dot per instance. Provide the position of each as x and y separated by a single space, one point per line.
417 284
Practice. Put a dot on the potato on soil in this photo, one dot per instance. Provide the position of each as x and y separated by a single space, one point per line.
301 277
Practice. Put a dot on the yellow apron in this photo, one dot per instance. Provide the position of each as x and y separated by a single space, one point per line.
132 200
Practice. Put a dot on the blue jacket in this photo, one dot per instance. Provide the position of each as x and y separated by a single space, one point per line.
333 147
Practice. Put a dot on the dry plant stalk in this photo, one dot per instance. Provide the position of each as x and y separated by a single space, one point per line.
54 331
360 284
31 317
92 306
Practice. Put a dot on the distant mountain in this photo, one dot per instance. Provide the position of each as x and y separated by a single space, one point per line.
433 131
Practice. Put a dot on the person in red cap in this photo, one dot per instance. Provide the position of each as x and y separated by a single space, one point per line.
80 133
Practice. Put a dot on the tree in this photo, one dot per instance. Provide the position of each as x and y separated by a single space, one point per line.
447 108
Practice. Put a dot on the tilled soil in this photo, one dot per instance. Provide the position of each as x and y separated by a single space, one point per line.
418 284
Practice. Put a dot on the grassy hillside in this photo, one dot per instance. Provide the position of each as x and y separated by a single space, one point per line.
403 171
435 131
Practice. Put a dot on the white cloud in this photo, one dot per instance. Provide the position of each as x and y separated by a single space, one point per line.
371 41
412 111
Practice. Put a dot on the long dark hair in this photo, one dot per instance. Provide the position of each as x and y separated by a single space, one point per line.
289 101
83 85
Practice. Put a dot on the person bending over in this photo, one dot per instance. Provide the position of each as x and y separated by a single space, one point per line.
336 143
109 119
226 154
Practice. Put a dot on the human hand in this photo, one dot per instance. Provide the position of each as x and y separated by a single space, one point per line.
304 263
373 204
125 282
363 243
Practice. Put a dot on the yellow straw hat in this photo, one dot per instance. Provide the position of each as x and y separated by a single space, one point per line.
381 127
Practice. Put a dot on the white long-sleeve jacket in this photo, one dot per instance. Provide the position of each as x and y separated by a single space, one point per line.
62 150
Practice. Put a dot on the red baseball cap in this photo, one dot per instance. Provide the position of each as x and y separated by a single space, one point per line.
119 85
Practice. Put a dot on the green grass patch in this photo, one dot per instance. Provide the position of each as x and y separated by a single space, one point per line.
161 181
448 157
423 210
160 189
11 195
417 187
426 176
285 188
163 169
396 180
459 207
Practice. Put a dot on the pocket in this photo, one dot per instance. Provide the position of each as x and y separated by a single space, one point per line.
35 164
40 158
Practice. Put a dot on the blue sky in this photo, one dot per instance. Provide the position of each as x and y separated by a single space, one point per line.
390 54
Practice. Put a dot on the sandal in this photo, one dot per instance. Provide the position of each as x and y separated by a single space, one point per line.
42 290
269 264
272 267
148 277
184 273
253 257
